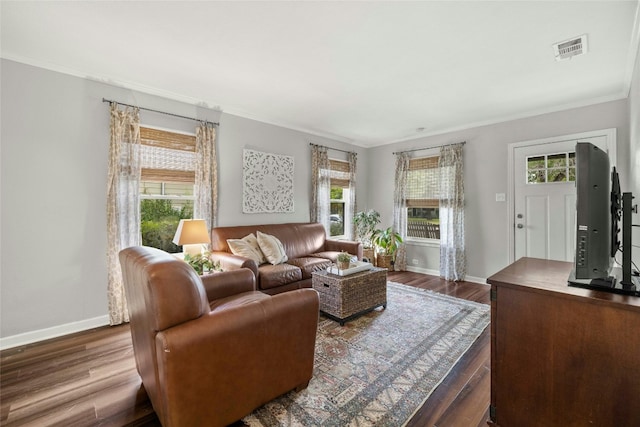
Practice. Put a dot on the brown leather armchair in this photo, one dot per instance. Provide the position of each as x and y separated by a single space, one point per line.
211 349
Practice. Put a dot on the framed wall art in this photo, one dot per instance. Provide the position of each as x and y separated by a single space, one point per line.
267 182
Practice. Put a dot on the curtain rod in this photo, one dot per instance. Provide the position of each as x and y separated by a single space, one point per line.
161 112
428 148
334 149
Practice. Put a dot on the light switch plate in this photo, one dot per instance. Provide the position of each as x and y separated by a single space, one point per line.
501 197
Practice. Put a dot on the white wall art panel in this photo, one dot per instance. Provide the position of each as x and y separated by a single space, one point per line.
267 182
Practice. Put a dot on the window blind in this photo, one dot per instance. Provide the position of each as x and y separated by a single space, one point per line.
422 183
339 173
167 156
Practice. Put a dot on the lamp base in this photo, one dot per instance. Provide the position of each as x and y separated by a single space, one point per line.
192 250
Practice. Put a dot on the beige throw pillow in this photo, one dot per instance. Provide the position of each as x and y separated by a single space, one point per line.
272 248
253 241
247 247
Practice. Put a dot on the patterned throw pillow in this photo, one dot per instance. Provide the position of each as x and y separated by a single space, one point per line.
247 247
253 241
272 248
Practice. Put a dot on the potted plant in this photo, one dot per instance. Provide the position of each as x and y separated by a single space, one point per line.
202 263
343 260
387 241
365 223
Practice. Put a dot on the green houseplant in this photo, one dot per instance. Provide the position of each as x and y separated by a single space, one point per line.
365 223
202 263
387 241
343 260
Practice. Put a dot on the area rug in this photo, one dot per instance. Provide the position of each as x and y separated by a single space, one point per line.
381 367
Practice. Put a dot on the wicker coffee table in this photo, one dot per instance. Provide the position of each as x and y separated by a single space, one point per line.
342 298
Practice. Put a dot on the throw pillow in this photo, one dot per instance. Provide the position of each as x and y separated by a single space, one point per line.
272 248
247 248
253 241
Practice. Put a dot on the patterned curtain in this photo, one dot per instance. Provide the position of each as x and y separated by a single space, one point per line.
400 209
321 186
123 203
453 262
206 182
351 232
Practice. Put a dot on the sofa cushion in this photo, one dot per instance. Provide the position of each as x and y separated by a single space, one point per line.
247 247
310 264
330 255
271 276
289 234
272 248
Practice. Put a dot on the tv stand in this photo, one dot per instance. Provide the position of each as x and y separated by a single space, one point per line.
561 355
614 283
604 282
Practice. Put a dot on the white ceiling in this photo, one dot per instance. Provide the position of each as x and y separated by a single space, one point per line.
364 72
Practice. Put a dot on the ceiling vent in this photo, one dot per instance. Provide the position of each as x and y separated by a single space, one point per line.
570 48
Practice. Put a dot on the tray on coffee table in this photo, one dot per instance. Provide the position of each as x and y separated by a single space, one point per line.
354 267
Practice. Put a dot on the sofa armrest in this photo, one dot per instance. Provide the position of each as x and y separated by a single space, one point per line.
208 368
227 283
354 248
229 261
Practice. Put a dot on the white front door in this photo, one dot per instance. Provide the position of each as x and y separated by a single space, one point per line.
545 195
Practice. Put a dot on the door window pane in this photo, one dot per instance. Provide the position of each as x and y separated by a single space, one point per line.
535 163
551 168
557 160
536 176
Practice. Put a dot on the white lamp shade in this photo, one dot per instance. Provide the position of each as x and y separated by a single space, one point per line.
191 232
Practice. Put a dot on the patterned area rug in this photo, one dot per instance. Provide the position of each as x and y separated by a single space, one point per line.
380 368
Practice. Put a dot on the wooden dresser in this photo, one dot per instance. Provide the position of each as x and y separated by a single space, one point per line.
560 355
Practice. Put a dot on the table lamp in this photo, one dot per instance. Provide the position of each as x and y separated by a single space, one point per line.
192 234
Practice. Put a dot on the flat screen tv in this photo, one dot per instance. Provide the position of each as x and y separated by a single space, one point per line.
599 204
593 258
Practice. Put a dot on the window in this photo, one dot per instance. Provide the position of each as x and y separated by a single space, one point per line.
166 185
339 206
423 214
551 168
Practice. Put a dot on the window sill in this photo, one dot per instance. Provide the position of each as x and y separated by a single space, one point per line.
340 237
431 243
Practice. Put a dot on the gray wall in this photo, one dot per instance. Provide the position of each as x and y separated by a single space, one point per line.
53 178
485 165
236 133
54 150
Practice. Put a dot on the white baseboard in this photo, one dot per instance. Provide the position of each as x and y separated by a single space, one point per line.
423 270
53 332
430 272
474 279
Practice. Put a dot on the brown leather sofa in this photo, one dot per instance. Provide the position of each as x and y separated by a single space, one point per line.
305 244
211 349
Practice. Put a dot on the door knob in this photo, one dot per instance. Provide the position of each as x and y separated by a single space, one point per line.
520 226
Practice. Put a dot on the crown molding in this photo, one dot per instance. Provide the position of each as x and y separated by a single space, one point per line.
509 118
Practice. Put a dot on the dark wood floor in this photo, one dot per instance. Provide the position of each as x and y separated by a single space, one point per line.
90 379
